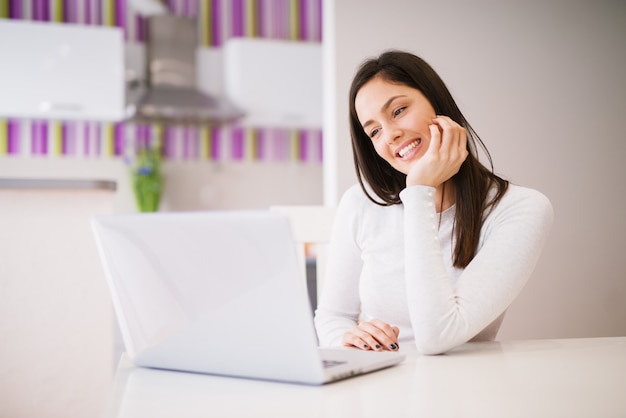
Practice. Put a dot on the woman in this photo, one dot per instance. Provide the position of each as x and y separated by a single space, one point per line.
431 247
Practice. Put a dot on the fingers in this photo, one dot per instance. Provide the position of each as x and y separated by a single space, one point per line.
373 335
358 338
451 139
447 150
435 138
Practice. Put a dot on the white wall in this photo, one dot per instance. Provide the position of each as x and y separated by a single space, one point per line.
56 318
543 84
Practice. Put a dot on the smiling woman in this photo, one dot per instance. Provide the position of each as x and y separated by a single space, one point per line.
433 247
401 128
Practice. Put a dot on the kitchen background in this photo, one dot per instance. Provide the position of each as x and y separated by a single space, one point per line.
206 167
60 343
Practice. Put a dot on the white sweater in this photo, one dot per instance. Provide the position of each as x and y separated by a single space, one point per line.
394 263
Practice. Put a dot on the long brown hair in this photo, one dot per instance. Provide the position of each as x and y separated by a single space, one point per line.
471 183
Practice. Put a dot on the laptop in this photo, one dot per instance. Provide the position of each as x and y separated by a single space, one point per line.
218 292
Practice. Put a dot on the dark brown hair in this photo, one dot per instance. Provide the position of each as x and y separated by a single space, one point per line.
473 181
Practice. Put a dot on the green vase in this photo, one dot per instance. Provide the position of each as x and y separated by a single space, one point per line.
148 190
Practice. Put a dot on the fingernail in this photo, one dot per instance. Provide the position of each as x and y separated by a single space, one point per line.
365 346
377 346
393 347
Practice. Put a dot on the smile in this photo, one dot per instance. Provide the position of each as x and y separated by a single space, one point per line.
405 150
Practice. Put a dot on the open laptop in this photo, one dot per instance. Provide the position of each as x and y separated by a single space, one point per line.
218 292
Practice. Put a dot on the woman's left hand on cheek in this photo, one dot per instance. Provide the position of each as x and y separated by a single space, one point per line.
446 152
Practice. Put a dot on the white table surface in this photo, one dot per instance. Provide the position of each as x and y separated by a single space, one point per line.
536 378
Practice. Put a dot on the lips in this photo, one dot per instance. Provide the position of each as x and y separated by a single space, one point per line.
408 148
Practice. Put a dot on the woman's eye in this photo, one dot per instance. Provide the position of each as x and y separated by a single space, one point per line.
398 111
374 133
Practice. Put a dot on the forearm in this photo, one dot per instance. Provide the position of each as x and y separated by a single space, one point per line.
433 304
331 326
445 313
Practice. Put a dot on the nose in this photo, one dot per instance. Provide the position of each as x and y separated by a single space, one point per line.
392 134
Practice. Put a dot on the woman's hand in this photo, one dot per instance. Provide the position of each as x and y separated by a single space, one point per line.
446 152
373 335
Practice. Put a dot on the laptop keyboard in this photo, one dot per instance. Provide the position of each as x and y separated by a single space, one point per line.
331 363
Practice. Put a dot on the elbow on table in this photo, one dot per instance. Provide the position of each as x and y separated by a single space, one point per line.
433 344
429 349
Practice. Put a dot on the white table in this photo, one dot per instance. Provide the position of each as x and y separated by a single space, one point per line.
536 378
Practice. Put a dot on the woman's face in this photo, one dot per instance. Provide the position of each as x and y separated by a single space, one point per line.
397 119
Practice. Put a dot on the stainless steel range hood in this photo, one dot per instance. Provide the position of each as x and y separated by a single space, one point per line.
171 94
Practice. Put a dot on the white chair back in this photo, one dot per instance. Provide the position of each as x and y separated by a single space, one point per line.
311 226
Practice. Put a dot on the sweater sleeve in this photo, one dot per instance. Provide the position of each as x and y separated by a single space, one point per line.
446 314
339 305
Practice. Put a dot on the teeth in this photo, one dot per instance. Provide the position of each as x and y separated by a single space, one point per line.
404 151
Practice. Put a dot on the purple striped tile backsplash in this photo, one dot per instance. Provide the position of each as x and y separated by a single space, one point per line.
218 20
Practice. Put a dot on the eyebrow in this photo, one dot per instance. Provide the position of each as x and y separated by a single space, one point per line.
383 108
